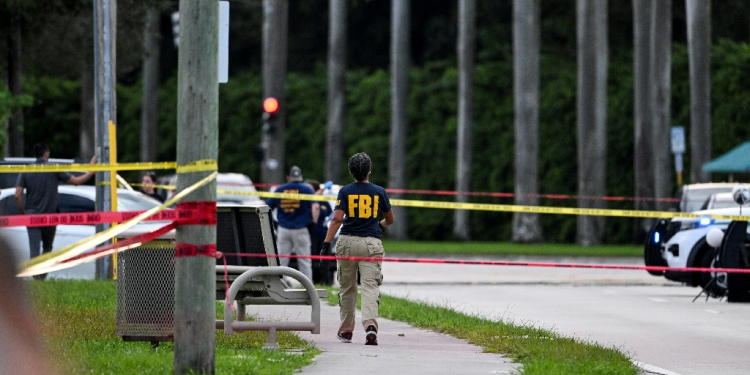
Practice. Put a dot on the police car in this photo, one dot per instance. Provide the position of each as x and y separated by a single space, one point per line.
681 242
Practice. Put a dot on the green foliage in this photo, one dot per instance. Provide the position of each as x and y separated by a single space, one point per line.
54 118
9 104
474 248
729 101
432 129
306 120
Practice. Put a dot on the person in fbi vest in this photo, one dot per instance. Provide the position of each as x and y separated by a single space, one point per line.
357 210
293 216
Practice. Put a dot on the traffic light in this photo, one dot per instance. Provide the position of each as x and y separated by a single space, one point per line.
176 28
270 110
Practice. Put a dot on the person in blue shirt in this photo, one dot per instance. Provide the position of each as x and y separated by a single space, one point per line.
356 212
293 216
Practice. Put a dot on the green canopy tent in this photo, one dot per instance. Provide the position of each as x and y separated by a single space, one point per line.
736 160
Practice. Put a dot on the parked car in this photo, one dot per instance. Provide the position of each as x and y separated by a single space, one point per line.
74 199
681 242
230 188
693 196
721 200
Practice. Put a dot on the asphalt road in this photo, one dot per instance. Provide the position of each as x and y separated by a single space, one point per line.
652 319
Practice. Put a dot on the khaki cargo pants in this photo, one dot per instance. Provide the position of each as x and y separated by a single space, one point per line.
371 278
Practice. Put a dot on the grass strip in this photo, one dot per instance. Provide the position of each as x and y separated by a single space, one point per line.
508 248
78 317
540 351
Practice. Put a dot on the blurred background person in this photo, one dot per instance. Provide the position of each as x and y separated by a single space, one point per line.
147 186
21 351
322 269
293 216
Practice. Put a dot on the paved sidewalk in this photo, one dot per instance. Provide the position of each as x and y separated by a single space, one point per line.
402 348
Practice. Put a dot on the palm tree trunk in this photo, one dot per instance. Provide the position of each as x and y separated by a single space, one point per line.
699 55
466 44
642 116
661 34
592 116
336 90
526 39
275 21
150 99
88 114
400 15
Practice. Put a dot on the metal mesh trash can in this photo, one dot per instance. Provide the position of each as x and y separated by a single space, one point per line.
145 292
145 274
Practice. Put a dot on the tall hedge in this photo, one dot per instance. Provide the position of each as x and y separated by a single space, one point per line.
432 129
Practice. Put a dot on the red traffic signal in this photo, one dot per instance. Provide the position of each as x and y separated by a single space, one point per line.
271 105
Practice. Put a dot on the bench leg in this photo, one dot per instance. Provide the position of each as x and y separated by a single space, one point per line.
271 343
240 312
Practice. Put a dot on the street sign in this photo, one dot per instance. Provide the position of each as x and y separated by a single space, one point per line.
678 139
223 41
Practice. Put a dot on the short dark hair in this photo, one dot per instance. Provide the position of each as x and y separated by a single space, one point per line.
359 166
40 149
152 176
315 184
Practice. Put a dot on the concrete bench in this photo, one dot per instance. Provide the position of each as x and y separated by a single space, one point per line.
258 280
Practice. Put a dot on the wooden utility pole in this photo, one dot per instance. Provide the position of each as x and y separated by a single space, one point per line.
197 139
592 116
699 55
661 71
400 34
336 90
467 29
150 99
105 57
526 40
275 20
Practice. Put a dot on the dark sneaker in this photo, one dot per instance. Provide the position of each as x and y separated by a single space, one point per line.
345 336
371 337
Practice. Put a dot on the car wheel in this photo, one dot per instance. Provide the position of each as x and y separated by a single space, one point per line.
713 283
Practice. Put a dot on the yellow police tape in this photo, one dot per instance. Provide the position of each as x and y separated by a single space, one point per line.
196 166
503 207
212 165
51 261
